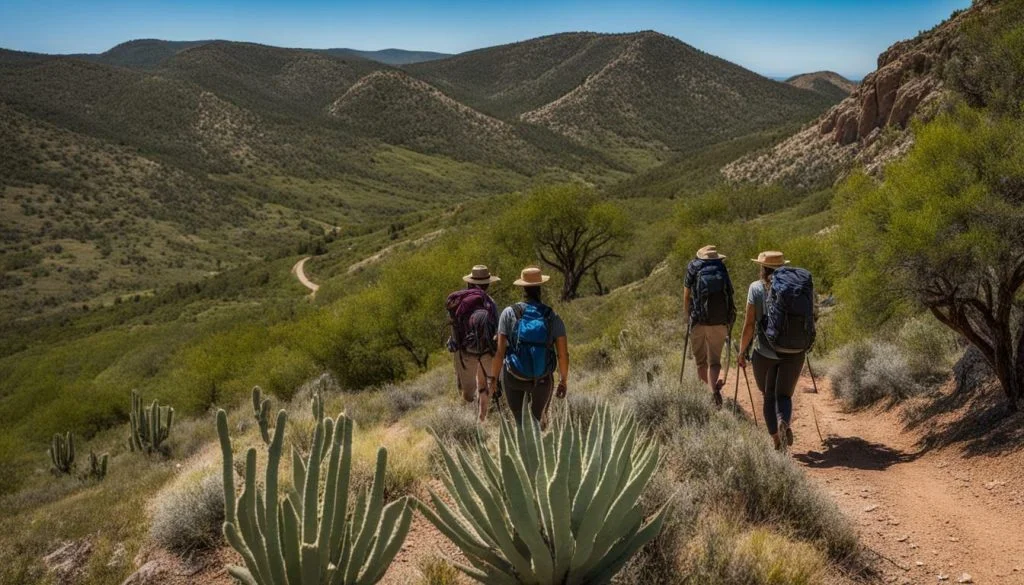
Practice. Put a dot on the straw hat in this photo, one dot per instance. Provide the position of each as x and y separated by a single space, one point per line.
771 259
480 275
531 276
709 253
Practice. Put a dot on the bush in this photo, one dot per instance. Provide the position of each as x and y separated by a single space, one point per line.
454 424
437 571
661 407
188 515
730 462
929 347
867 372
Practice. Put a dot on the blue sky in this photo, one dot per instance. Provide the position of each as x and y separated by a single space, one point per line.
777 37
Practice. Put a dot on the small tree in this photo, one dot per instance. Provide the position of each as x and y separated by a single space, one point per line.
569 229
946 229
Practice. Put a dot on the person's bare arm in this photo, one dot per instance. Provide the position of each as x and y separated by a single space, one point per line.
562 346
747 336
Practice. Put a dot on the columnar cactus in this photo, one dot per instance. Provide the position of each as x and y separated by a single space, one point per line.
62 453
150 427
261 410
561 508
97 466
309 537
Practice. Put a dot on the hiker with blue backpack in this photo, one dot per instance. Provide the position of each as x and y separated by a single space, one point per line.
779 327
473 318
531 346
710 311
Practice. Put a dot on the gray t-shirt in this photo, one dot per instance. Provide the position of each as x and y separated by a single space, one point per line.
507 324
755 297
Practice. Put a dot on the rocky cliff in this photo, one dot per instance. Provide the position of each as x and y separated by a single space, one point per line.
870 127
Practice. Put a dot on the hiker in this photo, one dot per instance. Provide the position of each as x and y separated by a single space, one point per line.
473 318
710 311
531 345
779 325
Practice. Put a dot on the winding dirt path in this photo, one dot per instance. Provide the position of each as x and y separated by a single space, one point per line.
299 270
930 516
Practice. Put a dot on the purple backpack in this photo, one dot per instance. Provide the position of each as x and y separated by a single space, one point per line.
474 320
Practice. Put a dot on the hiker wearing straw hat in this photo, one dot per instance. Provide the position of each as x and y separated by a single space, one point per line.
779 327
710 312
531 346
473 318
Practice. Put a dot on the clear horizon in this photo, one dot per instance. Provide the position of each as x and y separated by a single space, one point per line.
776 38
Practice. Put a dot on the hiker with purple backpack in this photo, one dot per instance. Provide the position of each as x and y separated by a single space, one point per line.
473 318
532 344
779 327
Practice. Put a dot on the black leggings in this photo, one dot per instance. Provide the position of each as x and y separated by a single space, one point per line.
517 390
776 379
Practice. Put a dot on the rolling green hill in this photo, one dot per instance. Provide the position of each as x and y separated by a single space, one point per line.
827 83
388 56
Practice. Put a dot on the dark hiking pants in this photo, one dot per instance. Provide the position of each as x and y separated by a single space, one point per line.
516 392
776 379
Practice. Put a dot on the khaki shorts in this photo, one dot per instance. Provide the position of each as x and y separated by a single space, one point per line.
707 342
471 373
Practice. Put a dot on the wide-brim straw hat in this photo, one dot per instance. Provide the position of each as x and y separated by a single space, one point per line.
771 259
480 275
709 253
531 276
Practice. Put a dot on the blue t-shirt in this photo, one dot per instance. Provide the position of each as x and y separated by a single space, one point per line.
755 297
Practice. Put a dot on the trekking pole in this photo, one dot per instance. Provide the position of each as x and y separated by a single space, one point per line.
686 345
814 411
728 358
736 392
753 407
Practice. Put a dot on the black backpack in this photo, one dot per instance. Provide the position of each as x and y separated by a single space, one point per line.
788 321
711 300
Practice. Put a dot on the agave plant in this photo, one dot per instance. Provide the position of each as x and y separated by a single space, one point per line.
309 537
557 508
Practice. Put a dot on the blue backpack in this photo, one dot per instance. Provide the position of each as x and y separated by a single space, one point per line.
788 322
531 348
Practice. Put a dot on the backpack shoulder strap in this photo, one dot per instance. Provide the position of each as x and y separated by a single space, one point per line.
518 309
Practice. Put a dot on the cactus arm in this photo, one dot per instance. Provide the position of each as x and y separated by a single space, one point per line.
310 563
327 521
311 489
290 542
248 525
374 506
273 534
228 468
236 541
379 562
242 574
338 526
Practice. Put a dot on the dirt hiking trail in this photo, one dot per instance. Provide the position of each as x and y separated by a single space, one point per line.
299 270
930 516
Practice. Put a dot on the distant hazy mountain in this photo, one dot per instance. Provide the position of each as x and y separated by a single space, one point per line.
389 56
828 83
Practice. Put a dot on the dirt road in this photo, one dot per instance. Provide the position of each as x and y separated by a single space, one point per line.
931 516
299 271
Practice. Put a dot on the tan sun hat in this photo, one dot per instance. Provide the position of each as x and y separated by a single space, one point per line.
709 253
480 275
771 259
531 276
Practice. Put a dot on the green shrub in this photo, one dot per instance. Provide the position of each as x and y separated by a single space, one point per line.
866 372
437 571
454 423
729 461
188 515
662 407
929 346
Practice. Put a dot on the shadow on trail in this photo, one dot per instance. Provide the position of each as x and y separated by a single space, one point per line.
854 453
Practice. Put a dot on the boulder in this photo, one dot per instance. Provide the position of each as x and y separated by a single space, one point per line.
971 370
152 573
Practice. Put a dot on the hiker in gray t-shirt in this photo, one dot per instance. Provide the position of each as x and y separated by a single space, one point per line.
776 373
526 366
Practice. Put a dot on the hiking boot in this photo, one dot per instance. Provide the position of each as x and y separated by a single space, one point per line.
786 431
718 394
777 441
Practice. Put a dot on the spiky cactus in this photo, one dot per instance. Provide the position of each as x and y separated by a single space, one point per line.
261 410
62 453
150 426
308 537
557 508
97 466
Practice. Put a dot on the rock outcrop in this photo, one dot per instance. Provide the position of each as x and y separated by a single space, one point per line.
871 126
